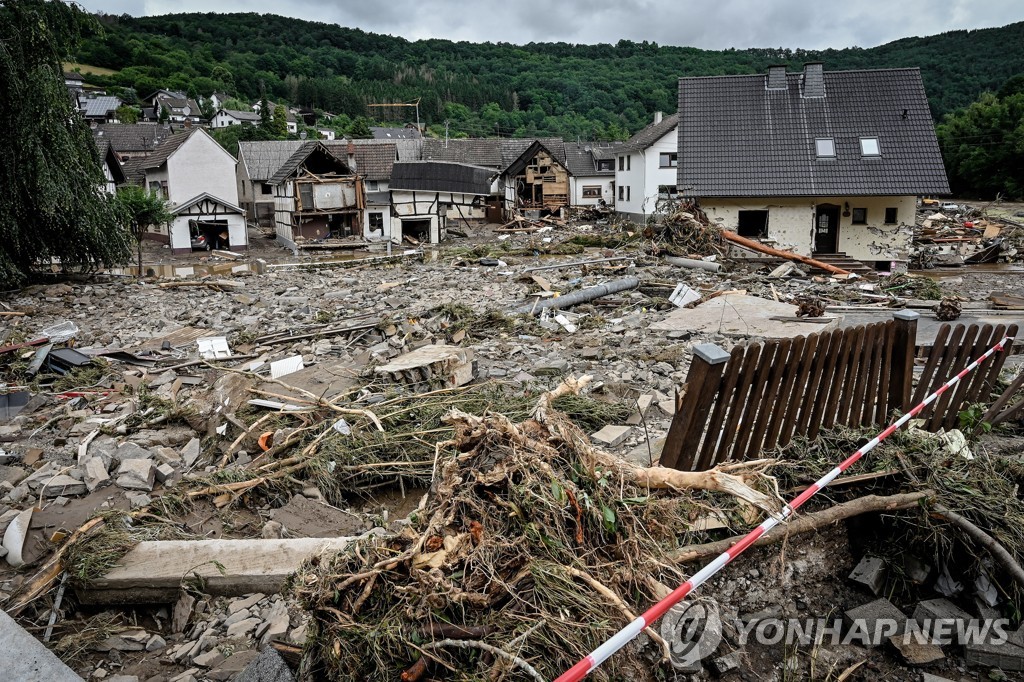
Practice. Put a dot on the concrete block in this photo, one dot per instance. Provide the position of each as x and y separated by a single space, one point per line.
915 652
167 474
1006 656
63 485
611 435
727 663
939 617
870 573
136 474
96 475
643 403
23 657
873 623
431 367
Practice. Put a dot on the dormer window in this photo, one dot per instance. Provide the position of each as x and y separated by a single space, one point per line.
869 146
825 147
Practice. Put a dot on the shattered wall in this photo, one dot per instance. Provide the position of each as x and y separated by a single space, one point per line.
436 207
791 223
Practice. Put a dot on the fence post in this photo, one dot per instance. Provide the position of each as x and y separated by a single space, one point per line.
904 348
702 383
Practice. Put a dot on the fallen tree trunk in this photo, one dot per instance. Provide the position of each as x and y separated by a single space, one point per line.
787 255
998 552
808 522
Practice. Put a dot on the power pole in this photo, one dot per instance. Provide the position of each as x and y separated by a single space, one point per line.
446 122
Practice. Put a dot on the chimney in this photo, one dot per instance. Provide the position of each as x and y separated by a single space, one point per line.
814 80
352 157
658 115
776 77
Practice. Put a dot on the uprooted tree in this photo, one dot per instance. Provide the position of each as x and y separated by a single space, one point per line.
55 207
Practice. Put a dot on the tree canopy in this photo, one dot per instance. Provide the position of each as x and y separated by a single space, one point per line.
54 205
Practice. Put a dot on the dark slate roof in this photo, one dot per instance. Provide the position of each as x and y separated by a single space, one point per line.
651 134
477 152
381 133
242 115
555 147
513 149
737 138
374 162
408 150
441 176
108 155
100 106
263 159
581 157
131 137
164 149
296 160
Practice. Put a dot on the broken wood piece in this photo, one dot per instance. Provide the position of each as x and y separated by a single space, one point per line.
153 571
787 255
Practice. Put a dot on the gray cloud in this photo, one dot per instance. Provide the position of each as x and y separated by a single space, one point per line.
711 24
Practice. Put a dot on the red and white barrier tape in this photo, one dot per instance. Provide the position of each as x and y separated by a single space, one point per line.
623 636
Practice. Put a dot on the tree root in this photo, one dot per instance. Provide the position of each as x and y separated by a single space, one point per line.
998 552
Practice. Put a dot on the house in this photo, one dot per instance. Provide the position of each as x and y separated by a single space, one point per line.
217 99
374 163
591 168
113 171
425 195
317 195
325 133
225 118
180 108
292 123
75 83
131 140
257 163
100 109
196 176
821 162
645 169
538 179
403 133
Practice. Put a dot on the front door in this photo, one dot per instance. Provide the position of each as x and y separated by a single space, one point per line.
826 229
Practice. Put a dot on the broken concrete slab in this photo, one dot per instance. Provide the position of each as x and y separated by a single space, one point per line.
304 517
63 485
916 652
740 315
152 571
870 572
872 623
136 474
1005 656
611 436
96 475
643 403
940 617
27 660
430 367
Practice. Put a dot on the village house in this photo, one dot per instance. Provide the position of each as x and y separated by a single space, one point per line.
374 163
426 195
225 118
113 171
180 107
826 163
196 176
131 140
257 163
100 108
591 173
645 169
292 123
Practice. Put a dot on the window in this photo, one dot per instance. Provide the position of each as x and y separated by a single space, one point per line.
667 160
860 216
667 191
622 192
891 216
372 186
306 197
869 146
825 147
752 223
158 188
265 188
605 164
377 221
629 162
627 192
622 164
592 191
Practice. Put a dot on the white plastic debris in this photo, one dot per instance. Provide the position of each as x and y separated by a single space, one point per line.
213 347
14 537
280 368
61 332
566 324
683 295
342 427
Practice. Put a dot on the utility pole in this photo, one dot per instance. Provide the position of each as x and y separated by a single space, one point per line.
446 122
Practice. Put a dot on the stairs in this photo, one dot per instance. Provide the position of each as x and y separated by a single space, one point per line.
841 260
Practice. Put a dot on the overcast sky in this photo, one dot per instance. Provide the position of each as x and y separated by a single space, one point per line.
712 24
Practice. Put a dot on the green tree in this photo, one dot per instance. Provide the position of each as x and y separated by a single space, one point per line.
165 114
141 209
264 112
359 129
127 114
53 206
279 124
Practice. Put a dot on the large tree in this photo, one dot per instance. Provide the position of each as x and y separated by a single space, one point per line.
53 207
141 208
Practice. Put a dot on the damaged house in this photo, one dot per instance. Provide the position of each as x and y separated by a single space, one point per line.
826 163
196 176
426 195
317 196
538 179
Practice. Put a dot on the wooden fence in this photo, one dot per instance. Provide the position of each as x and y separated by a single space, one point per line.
738 405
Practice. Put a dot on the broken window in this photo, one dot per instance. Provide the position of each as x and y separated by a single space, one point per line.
860 216
376 221
667 191
667 160
752 223
265 188
605 164
891 216
592 191
869 146
825 147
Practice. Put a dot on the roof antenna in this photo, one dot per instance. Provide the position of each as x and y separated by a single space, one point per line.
905 114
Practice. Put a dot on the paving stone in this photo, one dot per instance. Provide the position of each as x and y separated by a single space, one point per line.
245 602
916 652
870 572
136 474
96 475
611 435
190 453
243 627
939 617
872 623
1006 656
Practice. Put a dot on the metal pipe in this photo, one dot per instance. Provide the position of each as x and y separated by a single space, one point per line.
579 262
581 296
693 264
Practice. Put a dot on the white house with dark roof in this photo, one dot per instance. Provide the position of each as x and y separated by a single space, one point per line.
426 195
826 163
225 118
645 169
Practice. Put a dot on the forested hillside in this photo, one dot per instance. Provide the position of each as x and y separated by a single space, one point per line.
589 91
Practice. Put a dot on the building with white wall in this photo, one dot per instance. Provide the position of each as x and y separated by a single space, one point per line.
823 163
427 195
645 169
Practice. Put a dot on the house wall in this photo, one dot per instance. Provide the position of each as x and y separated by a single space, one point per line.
110 186
605 182
284 208
433 206
791 223
223 120
181 239
385 211
644 178
201 165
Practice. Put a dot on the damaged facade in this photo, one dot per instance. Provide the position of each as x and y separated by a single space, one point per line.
425 195
823 163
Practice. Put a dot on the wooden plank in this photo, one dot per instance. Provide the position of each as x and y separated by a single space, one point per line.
861 377
726 397
818 400
152 572
881 406
769 403
957 343
754 400
904 346
993 372
798 360
812 404
980 376
873 384
702 385
928 373
842 382
738 402
958 395
815 351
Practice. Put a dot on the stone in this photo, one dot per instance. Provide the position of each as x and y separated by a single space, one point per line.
243 627
916 652
1006 656
63 485
870 572
298 635
123 678
267 667
136 474
431 367
190 453
12 474
118 643
275 624
611 436
727 663
156 643
235 617
167 475
182 612
928 677
232 665
26 658
643 403
872 623
127 451
939 617
555 367
245 602
96 475
209 659
138 500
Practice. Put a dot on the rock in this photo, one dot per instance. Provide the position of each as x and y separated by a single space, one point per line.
167 475
555 367
138 500
298 635
123 678
611 436
190 453
871 624
96 475
275 625
182 612
727 663
63 485
127 451
118 643
916 652
245 602
209 659
267 667
870 572
136 474
242 628
156 643
232 666
235 617
12 474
